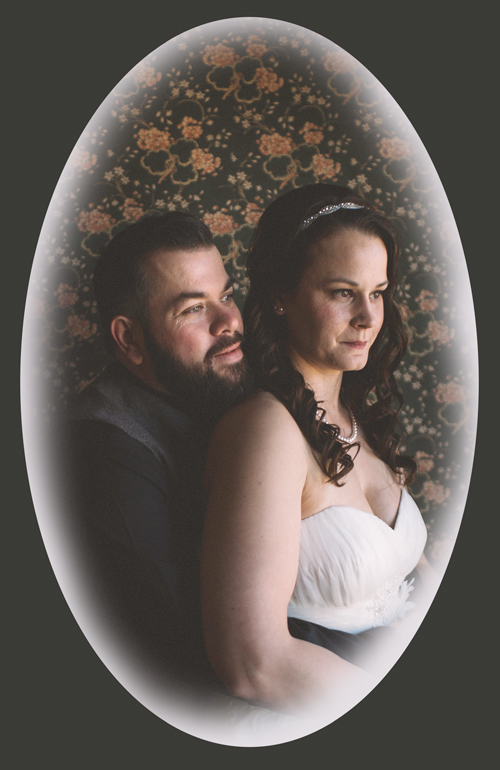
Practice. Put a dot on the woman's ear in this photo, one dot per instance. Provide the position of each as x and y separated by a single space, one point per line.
127 333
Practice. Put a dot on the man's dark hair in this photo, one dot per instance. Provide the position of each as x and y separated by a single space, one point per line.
120 281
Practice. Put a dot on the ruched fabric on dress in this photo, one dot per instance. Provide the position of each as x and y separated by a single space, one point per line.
352 567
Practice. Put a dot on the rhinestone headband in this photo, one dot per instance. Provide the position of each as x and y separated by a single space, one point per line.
329 210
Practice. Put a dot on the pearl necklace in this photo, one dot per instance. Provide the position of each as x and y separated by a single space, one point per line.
347 439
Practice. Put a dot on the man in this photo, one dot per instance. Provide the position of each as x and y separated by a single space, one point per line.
138 436
139 432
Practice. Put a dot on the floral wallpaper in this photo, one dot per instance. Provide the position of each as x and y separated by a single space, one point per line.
220 121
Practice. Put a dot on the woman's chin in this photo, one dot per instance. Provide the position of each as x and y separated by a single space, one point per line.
355 364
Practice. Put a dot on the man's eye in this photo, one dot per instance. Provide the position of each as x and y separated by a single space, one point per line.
194 309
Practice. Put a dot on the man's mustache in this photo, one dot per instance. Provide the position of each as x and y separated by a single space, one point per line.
223 344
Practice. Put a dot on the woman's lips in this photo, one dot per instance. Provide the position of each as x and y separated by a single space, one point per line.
356 345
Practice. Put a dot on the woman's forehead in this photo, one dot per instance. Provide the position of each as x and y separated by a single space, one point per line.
348 251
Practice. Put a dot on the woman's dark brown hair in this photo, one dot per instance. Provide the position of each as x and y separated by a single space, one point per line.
278 256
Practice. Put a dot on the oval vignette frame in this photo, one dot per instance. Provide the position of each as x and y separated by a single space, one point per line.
325 134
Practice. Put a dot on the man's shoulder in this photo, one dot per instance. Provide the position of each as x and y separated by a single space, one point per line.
119 461
116 389
118 403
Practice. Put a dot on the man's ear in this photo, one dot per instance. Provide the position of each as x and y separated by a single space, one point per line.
127 333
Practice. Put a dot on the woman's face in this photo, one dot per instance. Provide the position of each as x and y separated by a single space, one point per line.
337 310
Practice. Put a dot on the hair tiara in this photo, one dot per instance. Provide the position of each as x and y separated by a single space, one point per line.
329 210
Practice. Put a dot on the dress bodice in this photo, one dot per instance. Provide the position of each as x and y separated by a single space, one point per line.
352 566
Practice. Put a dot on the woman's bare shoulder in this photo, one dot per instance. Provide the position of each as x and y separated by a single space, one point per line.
261 412
257 443
259 427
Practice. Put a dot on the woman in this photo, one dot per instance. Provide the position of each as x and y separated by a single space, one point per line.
308 515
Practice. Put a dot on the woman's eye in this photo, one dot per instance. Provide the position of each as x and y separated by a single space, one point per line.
343 293
227 297
377 294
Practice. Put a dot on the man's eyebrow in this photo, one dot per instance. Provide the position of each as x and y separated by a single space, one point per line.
188 295
185 295
352 283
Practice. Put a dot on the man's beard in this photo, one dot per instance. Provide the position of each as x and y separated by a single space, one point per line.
200 390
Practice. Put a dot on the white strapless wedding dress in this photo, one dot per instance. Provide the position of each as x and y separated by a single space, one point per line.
352 566
351 577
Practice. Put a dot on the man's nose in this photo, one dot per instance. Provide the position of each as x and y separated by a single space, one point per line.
226 320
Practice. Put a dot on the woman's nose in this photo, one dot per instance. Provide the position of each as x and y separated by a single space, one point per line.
365 314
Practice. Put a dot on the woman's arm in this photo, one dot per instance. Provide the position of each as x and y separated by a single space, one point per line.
256 472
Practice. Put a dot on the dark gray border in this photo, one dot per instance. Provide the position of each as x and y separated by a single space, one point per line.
66 708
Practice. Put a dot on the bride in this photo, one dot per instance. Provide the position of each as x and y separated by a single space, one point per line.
308 513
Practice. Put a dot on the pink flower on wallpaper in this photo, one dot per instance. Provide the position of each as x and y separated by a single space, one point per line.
428 301
252 214
425 462
404 310
450 393
82 384
325 167
204 161
220 55
133 212
447 231
82 159
255 47
36 306
66 295
312 133
338 61
435 492
267 80
191 128
153 139
145 75
395 148
275 144
220 223
440 333
94 221
440 549
81 327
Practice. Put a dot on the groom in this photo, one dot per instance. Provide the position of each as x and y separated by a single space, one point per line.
138 436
